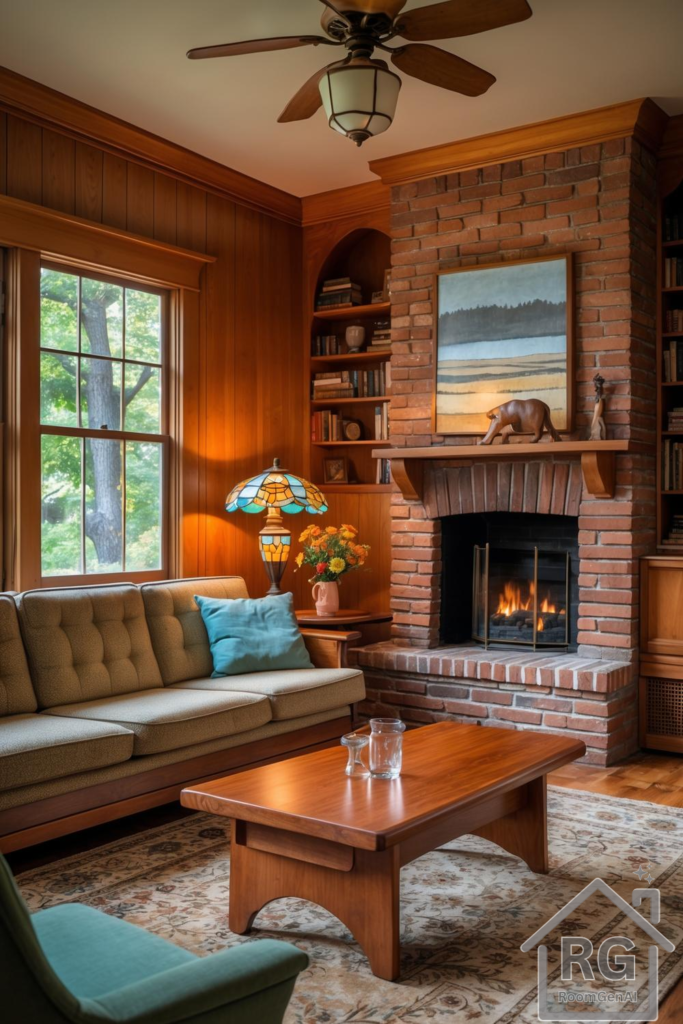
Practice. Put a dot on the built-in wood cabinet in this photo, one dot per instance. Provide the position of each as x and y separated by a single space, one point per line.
661 596
661 657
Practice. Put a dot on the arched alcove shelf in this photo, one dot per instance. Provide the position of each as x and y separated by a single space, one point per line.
363 255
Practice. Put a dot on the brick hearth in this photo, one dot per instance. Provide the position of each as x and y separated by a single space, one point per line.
596 202
593 699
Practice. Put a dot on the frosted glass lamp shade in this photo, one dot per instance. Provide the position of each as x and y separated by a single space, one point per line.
360 98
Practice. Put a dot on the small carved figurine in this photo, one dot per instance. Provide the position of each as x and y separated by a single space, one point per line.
598 428
520 416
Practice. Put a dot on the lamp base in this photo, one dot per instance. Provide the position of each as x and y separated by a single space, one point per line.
274 543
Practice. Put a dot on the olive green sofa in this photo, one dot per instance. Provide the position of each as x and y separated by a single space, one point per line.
71 964
107 705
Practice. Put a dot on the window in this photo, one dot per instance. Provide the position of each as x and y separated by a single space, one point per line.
103 425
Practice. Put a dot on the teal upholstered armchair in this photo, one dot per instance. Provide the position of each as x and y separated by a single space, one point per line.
74 964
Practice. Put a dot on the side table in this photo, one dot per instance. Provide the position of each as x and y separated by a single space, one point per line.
373 626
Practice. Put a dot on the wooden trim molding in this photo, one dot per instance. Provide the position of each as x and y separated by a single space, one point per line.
356 200
641 118
50 108
33 232
84 243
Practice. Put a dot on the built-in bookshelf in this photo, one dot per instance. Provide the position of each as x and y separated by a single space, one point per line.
670 375
349 389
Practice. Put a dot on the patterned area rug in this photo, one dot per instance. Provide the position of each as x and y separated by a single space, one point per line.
466 908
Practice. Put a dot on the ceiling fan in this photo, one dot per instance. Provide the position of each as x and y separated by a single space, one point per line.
359 92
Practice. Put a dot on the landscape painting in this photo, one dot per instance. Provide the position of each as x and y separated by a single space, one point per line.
502 334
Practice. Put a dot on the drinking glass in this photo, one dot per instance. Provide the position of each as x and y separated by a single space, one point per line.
355 743
386 747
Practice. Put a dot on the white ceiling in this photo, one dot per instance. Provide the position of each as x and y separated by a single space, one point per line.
127 57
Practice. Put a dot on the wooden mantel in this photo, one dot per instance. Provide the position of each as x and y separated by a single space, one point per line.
598 460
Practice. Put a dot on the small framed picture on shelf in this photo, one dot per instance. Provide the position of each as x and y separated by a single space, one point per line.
336 470
387 285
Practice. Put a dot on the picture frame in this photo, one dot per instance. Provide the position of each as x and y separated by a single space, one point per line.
513 322
386 289
336 470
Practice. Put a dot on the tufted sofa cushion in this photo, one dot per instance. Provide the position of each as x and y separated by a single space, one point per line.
16 692
87 643
38 748
178 633
165 719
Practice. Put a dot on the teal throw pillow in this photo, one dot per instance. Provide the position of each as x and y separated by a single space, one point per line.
259 635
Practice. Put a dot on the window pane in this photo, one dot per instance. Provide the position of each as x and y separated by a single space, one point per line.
143 505
58 389
58 310
143 326
100 393
101 318
142 399
60 505
103 512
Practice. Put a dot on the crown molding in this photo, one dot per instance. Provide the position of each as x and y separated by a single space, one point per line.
82 242
641 118
49 108
355 200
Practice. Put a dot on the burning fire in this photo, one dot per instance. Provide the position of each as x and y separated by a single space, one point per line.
511 601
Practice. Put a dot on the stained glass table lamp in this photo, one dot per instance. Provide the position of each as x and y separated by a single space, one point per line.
275 491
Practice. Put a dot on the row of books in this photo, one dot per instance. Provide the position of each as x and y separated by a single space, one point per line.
674 539
673 360
673 321
330 344
382 422
673 227
383 471
675 419
352 383
381 337
327 425
338 293
673 272
325 345
672 465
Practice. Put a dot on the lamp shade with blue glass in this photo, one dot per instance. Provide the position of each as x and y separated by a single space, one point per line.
275 491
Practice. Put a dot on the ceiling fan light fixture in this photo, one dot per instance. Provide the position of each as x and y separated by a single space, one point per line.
360 98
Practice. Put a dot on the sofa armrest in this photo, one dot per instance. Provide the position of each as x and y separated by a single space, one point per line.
232 977
328 648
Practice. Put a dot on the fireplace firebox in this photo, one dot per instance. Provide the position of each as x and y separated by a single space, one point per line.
510 580
520 597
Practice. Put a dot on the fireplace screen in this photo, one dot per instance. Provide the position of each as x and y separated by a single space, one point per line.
520 597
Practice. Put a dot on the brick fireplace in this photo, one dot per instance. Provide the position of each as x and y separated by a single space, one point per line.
597 202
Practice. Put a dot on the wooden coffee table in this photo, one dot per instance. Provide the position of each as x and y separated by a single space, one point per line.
303 828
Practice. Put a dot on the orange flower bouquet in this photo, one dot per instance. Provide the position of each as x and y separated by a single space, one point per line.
332 552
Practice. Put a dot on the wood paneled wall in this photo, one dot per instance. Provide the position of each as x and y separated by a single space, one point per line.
243 382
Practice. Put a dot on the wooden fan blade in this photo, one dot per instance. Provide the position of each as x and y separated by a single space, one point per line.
256 46
430 64
461 18
306 101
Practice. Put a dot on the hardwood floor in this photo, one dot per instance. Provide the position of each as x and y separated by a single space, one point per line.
655 778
